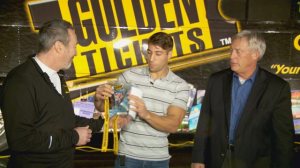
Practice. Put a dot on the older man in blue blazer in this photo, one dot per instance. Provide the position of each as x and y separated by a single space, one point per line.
246 119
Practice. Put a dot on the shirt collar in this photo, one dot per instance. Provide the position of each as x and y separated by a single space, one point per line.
166 78
44 67
252 77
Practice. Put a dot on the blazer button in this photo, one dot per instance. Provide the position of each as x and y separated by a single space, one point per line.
222 154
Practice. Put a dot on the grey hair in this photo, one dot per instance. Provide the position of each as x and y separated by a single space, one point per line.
52 31
255 41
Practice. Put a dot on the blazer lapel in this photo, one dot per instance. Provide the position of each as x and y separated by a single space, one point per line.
227 81
254 96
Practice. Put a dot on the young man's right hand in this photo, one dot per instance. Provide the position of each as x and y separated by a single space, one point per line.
103 91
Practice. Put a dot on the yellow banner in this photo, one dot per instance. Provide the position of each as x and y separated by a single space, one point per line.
112 35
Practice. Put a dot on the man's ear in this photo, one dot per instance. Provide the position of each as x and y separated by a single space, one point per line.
58 46
256 55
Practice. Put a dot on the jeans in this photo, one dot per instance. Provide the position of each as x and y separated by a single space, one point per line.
126 162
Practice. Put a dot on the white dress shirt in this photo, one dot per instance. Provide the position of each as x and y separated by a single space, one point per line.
54 78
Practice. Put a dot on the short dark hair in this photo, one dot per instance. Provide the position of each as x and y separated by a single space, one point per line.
162 40
52 31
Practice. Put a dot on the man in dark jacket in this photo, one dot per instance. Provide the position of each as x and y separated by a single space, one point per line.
41 127
246 118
